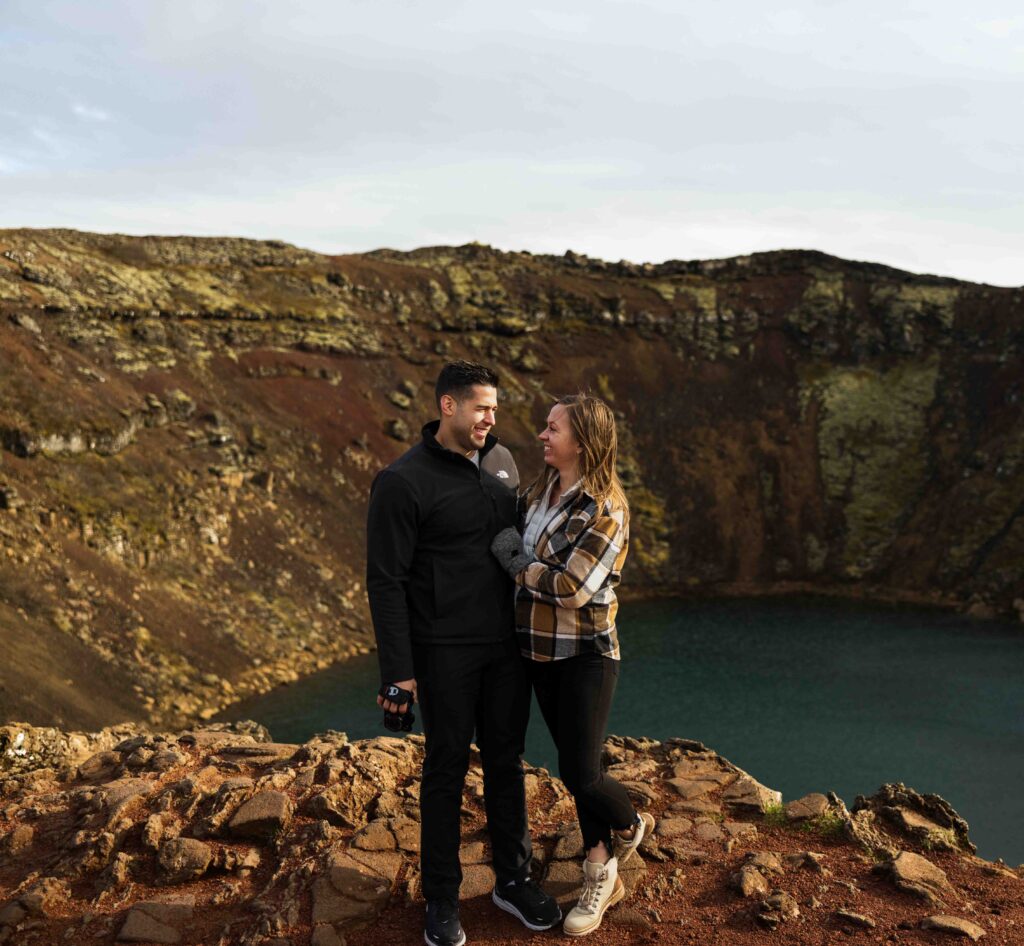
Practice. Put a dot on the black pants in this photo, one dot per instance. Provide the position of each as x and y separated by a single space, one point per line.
465 688
575 696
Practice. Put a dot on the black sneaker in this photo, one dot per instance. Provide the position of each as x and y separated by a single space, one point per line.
443 927
524 899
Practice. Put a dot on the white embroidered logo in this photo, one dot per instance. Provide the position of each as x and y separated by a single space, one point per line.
502 475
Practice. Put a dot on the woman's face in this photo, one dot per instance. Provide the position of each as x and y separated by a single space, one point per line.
560 447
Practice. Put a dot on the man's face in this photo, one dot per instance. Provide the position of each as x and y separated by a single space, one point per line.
469 420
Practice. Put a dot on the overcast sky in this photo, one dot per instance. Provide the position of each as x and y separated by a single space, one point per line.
641 130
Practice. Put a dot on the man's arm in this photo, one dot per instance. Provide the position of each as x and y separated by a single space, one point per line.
392 526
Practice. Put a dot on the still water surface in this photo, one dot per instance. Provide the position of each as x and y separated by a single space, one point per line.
806 694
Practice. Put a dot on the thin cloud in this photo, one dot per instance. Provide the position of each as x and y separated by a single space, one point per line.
91 114
644 130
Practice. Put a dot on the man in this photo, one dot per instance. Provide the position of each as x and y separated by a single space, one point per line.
443 615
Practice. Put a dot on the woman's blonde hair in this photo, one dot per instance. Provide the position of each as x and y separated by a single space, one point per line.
593 428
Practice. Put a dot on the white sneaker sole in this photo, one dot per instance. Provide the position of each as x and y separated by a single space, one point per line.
617 894
511 908
461 941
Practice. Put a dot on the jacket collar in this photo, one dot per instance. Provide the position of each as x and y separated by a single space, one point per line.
430 442
571 493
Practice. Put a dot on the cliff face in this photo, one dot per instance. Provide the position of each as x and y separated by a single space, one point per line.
214 836
190 427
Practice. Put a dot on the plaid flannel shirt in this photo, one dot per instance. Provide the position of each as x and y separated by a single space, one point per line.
565 600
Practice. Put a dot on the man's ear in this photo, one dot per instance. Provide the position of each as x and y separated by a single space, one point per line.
448 405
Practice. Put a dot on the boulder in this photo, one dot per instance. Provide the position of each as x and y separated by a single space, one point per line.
635 771
11 914
954 925
100 765
674 827
776 909
569 843
407 834
766 863
859 920
474 852
564 880
325 935
165 759
704 770
862 827
345 804
349 892
262 816
808 860
690 789
244 861
749 882
697 806
262 753
153 832
477 881
810 806
708 831
224 803
45 897
739 829
930 819
640 793
917 875
183 859
386 864
748 793
376 836
153 921
117 795
632 873
20 839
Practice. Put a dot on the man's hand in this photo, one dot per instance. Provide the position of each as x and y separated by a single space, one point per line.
390 707
507 548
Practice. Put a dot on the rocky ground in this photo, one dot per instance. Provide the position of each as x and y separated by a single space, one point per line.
219 836
189 428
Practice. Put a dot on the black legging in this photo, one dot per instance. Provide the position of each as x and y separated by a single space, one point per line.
575 695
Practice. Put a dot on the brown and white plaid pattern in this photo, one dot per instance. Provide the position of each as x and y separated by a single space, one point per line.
565 601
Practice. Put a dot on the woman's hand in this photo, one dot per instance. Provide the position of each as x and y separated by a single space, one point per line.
507 548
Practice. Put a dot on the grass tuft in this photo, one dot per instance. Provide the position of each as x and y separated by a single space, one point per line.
827 825
775 816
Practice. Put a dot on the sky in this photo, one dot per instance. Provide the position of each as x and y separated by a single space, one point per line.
643 130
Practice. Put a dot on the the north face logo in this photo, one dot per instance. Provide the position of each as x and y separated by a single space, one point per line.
502 475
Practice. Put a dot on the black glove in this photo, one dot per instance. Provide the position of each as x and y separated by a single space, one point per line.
507 548
398 722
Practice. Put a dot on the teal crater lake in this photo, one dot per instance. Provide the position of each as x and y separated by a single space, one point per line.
806 694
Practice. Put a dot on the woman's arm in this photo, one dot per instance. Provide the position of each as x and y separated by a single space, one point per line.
594 555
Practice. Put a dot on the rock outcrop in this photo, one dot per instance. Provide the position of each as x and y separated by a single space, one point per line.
235 845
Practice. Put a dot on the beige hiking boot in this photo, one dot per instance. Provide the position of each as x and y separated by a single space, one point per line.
623 848
602 889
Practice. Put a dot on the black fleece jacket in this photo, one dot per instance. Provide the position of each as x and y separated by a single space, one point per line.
430 574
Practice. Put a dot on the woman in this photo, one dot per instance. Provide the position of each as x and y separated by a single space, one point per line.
566 567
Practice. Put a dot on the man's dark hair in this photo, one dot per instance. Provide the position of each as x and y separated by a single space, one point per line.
457 377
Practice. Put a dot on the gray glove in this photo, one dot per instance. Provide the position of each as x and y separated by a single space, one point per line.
507 548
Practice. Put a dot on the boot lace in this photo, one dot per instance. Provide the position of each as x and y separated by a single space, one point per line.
590 896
